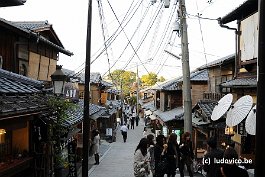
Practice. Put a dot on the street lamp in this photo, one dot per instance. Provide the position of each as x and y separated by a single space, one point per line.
58 80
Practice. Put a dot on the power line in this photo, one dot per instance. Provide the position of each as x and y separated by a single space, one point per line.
144 37
138 26
203 43
113 35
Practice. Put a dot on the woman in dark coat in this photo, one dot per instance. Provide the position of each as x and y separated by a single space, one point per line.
186 154
172 155
159 154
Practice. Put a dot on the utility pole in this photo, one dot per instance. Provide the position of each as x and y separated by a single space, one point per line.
260 132
186 89
137 92
86 121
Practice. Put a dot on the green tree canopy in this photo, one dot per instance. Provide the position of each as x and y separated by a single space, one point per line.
161 79
149 79
123 80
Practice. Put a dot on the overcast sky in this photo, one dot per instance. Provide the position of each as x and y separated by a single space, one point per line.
69 20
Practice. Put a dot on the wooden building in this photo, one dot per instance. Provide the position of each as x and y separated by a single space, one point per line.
245 81
30 48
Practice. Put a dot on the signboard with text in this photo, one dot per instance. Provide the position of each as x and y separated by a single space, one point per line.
72 159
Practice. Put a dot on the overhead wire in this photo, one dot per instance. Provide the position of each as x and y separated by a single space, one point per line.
144 37
113 35
165 31
116 33
104 34
203 43
138 26
156 28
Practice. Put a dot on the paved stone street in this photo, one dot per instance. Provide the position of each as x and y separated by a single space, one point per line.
118 159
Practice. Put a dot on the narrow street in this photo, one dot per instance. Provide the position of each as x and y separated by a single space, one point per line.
118 159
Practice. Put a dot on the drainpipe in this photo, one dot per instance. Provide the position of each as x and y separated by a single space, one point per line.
236 43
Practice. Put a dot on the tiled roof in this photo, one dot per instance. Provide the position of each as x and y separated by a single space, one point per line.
198 75
174 114
241 82
95 78
221 61
108 84
168 85
30 33
12 105
207 107
11 83
149 106
75 115
33 25
201 75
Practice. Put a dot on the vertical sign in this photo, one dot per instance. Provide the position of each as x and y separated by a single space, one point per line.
72 159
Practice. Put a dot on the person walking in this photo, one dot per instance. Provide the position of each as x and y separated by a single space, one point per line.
96 143
231 169
151 150
213 169
132 121
172 155
137 120
141 164
159 155
124 130
186 154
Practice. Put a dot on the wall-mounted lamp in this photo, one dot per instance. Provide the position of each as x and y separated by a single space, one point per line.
58 80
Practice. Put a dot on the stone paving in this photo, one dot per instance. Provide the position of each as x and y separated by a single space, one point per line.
117 161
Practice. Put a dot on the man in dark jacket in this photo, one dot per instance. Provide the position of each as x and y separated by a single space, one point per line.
231 169
213 169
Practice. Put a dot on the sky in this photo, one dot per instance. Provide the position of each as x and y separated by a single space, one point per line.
207 40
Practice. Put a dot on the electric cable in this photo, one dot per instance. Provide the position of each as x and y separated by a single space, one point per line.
203 43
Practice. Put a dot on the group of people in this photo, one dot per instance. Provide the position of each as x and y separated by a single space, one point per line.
164 156
215 161
130 116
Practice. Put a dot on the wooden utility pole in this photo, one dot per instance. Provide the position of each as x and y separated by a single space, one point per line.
86 121
260 124
137 92
186 89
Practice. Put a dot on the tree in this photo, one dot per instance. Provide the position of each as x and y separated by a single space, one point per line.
123 79
161 79
149 79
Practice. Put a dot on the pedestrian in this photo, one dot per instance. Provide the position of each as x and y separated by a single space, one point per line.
124 131
132 122
151 150
159 155
141 163
213 169
186 154
231 169
137 120
172 155
96 143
